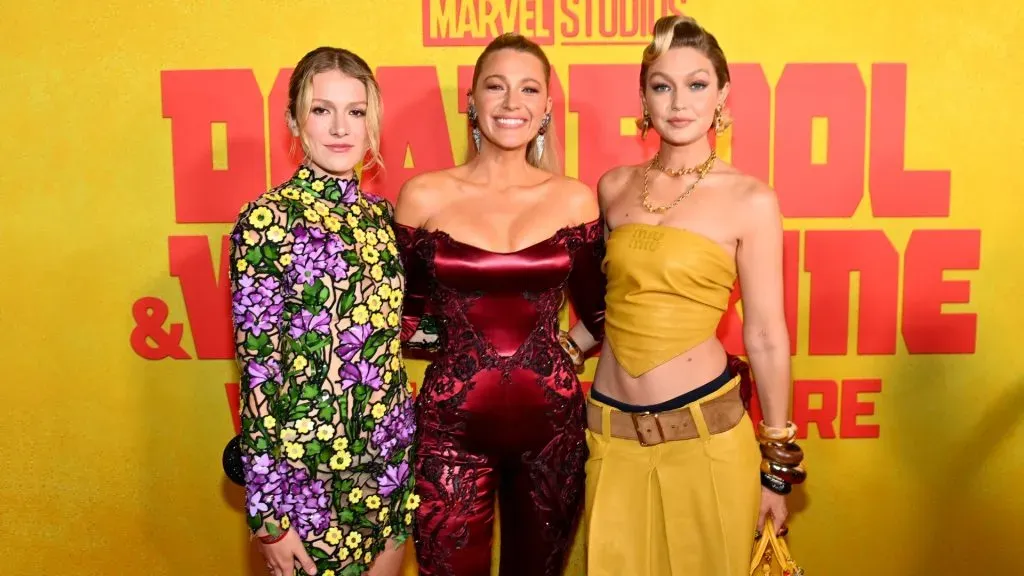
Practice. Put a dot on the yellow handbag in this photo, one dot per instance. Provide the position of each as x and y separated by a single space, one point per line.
771 555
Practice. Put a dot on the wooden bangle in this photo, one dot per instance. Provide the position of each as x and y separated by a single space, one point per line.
792 475
788 454
770 434
777 485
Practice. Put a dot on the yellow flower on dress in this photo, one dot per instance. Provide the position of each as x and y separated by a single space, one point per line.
328 573
360 314
382 516
376 272
370 255
333 536
395 364
306 198
241 265
379 410
290 193
384 291
373 502
367 558
285 259
303 174
356 210
321 208
275 234
251 237
286 523
387 377
269 421
393 321
353 539
396 298
304 426
325 432
408 518
299 363
340 444
392 249
332 223
317 186
261 217
395 344
289 435
273 196
374 303
311 215
378 320
341 461
352 220
382 235
386 532
295 451
359 235
412 502
355 495
368 543
343 553
376 210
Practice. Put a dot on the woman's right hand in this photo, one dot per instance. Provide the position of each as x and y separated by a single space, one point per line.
282 555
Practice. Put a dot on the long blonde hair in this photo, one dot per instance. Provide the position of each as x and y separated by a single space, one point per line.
325 59
548 159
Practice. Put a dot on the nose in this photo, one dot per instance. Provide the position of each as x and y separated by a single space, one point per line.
511 101
339 125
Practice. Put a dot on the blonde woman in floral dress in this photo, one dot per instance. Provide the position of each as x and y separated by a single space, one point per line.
327 418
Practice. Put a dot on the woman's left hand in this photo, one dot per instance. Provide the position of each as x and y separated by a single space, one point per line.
774 504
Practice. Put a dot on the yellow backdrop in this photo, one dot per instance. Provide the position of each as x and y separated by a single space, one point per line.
132 131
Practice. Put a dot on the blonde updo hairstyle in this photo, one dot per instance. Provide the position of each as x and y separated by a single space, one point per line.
684 32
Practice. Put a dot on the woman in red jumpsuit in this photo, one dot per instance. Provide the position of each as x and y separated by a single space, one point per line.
490 250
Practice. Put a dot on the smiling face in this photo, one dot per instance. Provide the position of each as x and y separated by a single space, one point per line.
334 131
681 94
511 98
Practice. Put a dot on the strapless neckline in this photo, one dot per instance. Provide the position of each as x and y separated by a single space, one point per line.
438 233
706 240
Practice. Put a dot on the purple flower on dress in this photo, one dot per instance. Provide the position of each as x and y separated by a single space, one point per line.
361 372
257 305
286 491
352 341
395 430
314 254
304 322
393 478
349 190
260 373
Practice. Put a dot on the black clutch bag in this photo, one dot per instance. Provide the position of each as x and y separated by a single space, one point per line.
231 460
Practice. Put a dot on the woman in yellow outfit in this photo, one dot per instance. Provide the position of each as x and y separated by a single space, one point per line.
676 483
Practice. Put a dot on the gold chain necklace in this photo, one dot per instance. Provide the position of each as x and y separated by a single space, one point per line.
701 170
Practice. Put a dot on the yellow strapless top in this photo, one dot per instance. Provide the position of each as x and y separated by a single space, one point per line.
667 291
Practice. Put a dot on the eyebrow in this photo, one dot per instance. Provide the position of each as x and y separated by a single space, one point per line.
690 73
329 103
505 80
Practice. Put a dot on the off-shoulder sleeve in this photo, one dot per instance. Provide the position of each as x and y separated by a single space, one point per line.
586 282
419 326
259 243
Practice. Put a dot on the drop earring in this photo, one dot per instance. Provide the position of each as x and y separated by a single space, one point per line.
644 124
540 135
471 112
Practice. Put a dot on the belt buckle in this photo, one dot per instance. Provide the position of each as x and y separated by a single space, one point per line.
636 426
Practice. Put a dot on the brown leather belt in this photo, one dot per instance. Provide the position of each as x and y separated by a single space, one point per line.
721 414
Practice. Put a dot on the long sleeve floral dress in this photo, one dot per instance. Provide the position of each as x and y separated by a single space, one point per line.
327 414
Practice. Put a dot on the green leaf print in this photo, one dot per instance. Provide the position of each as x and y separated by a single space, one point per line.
347 516
347 300
254 255
254 343
369 423
351 257
261 444
355 569
317 553
346 486
326 413
270 252
373 343
309 392
346 235
314 447
381 360
359 447
361 393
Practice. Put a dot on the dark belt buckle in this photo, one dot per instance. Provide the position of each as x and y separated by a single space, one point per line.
638 422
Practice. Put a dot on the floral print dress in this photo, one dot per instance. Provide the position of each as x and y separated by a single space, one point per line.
327 413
